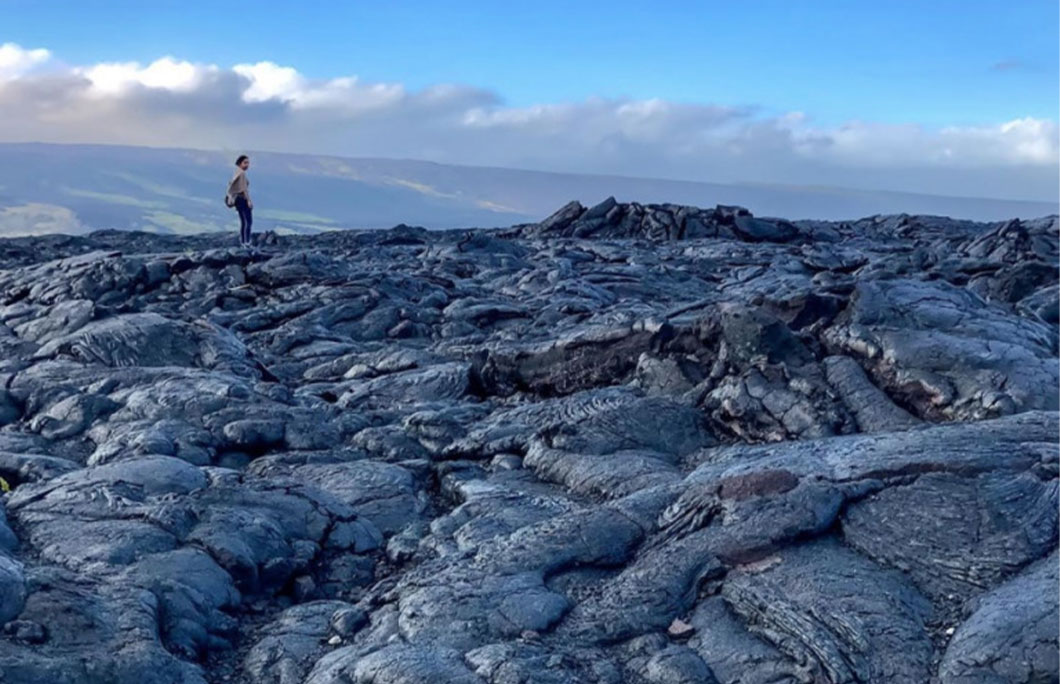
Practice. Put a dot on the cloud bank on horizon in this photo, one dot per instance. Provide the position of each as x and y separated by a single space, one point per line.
175 103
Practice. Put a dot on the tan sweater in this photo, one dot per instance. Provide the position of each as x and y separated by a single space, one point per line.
239 185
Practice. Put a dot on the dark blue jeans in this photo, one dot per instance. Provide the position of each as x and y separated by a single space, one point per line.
246 219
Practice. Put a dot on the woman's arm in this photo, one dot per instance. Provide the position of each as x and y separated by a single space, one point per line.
239 186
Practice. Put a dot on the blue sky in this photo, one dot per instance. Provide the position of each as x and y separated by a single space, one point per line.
937 96
934 62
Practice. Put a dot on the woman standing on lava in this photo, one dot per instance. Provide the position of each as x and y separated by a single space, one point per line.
238 196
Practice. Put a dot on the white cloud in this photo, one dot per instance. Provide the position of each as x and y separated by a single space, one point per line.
269 81
264 105
1032 140
110 79
15 61
1025 141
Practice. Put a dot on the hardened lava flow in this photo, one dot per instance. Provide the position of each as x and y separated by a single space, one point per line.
630 443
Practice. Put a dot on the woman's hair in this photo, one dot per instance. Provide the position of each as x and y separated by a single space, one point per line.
241 158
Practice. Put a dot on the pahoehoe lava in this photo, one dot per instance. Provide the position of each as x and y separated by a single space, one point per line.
630 443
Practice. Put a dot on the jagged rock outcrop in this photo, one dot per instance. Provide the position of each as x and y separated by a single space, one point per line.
632 443
610 219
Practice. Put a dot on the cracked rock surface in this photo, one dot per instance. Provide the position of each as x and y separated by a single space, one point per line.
631 443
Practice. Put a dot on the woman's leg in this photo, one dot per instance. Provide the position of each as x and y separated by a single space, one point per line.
250 222
243 210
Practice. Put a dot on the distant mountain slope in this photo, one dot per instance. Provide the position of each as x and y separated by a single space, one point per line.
79 188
